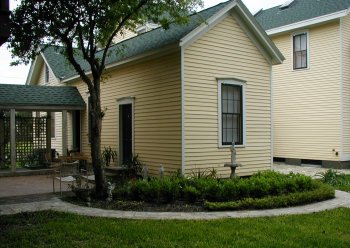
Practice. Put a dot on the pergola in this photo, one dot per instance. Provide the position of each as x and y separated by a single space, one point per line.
38 99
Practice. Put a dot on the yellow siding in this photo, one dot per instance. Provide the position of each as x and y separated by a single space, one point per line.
226 51
306 103
345 29
156 86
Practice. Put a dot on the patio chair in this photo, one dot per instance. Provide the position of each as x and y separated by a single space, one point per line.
66 172
88 174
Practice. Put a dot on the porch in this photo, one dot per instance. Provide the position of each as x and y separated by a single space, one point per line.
34 99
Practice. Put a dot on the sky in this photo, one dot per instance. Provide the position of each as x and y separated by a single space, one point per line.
18 74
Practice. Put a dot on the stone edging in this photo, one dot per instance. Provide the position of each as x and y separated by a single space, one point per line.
342 199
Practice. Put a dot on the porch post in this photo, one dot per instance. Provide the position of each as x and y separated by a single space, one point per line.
13 139
2 139
64 132
48 136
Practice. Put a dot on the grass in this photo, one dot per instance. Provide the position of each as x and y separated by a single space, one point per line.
344 186
52 229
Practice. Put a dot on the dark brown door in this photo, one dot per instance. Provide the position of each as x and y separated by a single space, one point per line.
126 132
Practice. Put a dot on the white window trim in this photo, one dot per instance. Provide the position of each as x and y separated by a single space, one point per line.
238 83
307 49
125 101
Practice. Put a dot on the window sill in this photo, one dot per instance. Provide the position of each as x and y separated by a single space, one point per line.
228 146
301 69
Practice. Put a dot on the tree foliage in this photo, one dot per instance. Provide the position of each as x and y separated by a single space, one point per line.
87 25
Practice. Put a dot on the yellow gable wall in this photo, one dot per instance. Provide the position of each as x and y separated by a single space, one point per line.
155 84
226 51
56 142
306 103
345 32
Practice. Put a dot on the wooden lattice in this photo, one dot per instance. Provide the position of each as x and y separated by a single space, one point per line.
30 141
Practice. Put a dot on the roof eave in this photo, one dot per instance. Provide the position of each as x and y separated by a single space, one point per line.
39 107
308 22
163 50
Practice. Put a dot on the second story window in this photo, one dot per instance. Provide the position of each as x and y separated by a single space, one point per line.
47 74
300 51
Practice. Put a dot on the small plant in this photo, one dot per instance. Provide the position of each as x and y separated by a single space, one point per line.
109 155
207 173
330 176
333 177
134 164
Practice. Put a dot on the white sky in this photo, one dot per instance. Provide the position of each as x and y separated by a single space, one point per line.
18 74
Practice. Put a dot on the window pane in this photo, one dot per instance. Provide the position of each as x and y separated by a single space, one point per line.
235 136
224 106
303 42
230 93
229 136
229 121
230 107
224 121
224 136
237 95
297 60
224 92
304 60
296 43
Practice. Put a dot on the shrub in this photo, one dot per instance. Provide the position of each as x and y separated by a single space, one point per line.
322 192
210 189
191 194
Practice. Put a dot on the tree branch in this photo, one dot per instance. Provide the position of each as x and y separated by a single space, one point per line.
121 24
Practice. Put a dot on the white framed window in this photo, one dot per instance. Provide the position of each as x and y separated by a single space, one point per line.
231 112
47 74
300 50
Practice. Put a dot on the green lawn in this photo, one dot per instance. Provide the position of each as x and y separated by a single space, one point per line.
51 229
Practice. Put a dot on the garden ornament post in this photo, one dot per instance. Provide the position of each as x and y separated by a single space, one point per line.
233 165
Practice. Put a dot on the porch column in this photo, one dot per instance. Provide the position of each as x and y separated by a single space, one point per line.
13 139
48 136
64 132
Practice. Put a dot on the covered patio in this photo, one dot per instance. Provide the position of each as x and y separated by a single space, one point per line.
25 98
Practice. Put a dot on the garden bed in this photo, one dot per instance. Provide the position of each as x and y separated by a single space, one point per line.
178 194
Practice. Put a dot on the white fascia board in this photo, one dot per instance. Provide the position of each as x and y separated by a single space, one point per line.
31 71
308 22
206 26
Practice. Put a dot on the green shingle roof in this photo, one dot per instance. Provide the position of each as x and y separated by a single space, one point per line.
299 10
140 44
40 97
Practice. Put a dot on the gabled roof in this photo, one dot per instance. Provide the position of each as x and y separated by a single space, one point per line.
300 11
28 97
155 39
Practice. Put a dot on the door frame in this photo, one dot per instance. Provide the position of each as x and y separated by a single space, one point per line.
126 101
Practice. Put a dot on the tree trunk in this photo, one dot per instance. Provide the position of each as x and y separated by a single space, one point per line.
96 127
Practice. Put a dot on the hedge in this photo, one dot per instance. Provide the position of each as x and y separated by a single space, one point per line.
321 193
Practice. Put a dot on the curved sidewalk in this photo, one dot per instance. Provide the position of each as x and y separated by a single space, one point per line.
342 199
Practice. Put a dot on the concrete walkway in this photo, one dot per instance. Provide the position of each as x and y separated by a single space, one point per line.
49 201
342 200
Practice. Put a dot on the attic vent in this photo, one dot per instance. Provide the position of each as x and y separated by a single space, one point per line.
286 4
